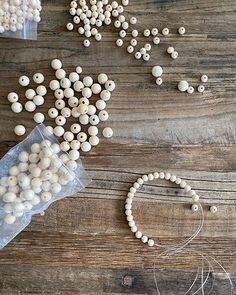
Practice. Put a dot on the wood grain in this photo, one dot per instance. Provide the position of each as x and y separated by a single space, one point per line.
83 244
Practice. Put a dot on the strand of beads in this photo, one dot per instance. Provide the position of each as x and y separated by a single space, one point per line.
150 177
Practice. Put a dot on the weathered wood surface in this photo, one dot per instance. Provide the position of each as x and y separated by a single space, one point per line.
83 245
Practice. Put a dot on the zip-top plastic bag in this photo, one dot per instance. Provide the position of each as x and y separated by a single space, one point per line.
34 174
19 18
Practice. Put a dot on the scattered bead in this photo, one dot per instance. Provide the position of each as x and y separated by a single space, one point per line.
183 86
201 88
165 32
107 132
182 30
157 71
204 78
213 209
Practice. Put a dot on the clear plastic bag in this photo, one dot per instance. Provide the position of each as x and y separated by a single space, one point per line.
28 196
19 18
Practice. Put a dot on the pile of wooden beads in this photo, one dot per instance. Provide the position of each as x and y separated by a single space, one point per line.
35 179
35 98
85 113
150 177
184 86
89 17
14 13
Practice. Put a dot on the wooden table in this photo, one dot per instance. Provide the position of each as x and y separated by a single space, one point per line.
83 245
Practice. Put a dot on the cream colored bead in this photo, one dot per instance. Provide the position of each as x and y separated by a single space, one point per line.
157 71
38 100
138 234
41 90
94 140
140 181
174 55
154 31
130 49
183 86
58 131
96 88
60 121
82 137
146 33
16 107
75 128
213 209
92 130
9 197
105 95
173 178
133 20
68 136
87 92
65 146
145 178
170 50
134 229
19 130
69 92
30 106
84 119
150 177
72 165
144 239
195 198
56 64
204 78
12 97
190 90
195 207
159 81
24 81
85 146
201 88
181 30
107 132
73 102
165 32
110 85
178 180
46 196
146 57
38 78
9 219
102 78
60 104
134 33
138 55
136 185
39 118
156 40
74 155
151 243
75 145
30 94
122 33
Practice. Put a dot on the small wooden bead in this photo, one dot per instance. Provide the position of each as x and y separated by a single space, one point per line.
38 78
19 130
162 175
150 177
68 136
133 20
135 33
129 201
133 42
146 33
130 49
58 131
182 184
148 46
122 33
12 97
201 88
167 176
140 181
86 43
154 31
70 26
144 239
190 90
128 212
174 55
165 32
9 219
24 81
195 198
119 42
39 118
136 185
16 107
134 229
204 78
183 86
107 132
187 188
30 94
156 40
145 178
131 223
156 175
130 195
157 71
178 180
146 57
130 218
151 243
132 190
173 178
85 146
138 234
170 50
213 209
195 208
181 30
94 140
138 55
159 81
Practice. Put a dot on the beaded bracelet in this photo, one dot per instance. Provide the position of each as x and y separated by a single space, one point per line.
150 177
